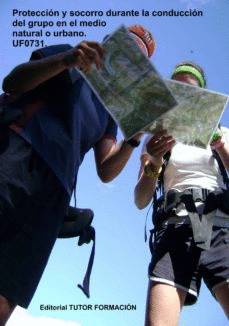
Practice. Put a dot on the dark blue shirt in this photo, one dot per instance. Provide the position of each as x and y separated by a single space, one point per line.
69 123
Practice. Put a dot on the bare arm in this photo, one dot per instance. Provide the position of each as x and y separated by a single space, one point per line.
146 185
158 145
28 76
222 149
111 158
224 155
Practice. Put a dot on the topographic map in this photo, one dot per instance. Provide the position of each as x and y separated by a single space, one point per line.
195 117
138 98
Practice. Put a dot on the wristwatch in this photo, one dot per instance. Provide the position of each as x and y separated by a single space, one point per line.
132 142
149 170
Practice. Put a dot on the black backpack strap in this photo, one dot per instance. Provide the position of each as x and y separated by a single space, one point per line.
201 224
221 165
222 168
77 223
160 186
160 183
90 234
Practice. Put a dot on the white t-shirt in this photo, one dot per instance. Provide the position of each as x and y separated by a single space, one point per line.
192 167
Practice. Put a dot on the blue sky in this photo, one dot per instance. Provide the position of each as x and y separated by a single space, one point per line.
120 270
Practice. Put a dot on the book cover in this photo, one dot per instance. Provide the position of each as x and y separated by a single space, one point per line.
195 30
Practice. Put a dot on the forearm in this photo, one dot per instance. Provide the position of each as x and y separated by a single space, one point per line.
115 162
145 189
156 148
220 145
28 76
223 152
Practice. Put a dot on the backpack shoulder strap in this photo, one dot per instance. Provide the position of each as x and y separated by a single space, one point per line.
77 223
222 168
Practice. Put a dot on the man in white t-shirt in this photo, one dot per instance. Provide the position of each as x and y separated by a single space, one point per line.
179 261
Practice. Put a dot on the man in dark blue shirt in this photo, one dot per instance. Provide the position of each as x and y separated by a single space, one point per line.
63 119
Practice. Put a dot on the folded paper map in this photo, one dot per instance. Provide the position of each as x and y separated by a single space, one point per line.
138 98
195 118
